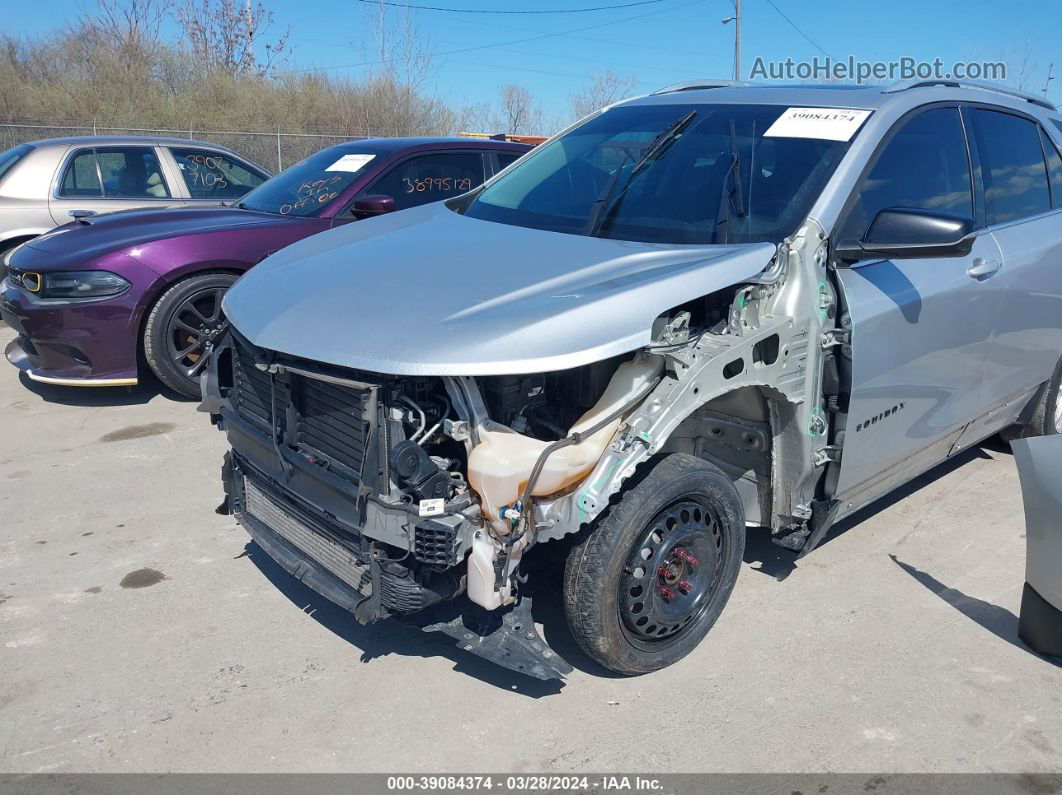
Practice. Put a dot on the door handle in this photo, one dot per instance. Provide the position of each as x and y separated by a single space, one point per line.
81 213
984 268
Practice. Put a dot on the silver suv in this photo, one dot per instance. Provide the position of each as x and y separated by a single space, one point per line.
715 306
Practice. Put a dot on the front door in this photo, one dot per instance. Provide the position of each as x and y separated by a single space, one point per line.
921 328
108 178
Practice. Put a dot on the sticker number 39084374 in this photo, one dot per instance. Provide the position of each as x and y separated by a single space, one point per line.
831 124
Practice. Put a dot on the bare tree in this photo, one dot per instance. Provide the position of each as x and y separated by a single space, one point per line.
393 94
129 25
605 88
1022 68
224 34
519 114
402 51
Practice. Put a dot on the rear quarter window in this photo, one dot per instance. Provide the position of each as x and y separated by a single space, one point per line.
1013 166
1054 168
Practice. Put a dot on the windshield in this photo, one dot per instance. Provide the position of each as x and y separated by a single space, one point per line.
308 187
12 156
667 174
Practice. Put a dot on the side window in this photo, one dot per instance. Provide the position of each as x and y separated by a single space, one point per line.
506 159
81 178
430 178
924 166
211 175
1054 168
1013 166
131 173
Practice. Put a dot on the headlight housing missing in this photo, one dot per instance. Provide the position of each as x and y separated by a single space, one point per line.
75 284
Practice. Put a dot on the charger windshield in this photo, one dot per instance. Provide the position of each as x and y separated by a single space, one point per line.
667 174
309 186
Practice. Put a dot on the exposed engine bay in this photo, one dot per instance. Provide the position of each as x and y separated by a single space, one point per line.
395 494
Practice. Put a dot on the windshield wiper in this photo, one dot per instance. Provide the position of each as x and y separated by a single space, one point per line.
602 207
727 197
594 217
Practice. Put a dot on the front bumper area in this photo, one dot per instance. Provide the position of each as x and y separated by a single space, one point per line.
335 528
340 564
71 344
334 565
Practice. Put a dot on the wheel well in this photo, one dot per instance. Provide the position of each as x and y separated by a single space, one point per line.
153 299
734 432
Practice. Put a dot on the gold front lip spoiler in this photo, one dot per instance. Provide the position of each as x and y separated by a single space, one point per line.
44 379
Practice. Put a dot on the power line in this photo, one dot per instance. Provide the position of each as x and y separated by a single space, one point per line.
626 44
503 43
495 11
798 30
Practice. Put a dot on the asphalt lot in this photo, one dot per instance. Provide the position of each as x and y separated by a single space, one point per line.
142 632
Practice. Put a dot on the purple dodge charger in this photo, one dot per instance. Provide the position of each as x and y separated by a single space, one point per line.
94 300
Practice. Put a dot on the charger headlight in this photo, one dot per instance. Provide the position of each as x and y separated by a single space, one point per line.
76 284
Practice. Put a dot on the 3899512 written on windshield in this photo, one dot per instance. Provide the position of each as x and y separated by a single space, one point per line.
437 184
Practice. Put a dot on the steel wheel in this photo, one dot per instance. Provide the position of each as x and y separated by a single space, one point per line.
671 573
197 322
650 577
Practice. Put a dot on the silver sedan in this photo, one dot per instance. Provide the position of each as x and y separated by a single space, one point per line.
46 183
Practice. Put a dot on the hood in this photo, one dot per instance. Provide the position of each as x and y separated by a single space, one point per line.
102 234
428 291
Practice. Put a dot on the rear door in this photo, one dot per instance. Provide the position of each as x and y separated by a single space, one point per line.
210 177
921 328
1023 209
103 179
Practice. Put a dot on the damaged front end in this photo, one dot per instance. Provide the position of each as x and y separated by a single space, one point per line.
355 484
418 496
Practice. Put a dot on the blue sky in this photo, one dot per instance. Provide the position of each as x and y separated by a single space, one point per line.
660 43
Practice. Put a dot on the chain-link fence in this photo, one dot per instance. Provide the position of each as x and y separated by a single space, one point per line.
274 150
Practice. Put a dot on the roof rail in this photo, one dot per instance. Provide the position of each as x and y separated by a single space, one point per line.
694 85
905 85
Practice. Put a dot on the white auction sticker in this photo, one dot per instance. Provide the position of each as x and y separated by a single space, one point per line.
350 163
431 507
830 124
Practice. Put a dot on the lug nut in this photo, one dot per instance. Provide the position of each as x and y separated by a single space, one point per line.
667 593
685 586
686 556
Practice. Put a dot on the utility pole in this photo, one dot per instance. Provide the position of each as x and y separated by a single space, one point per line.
248 54
1050 77
736 19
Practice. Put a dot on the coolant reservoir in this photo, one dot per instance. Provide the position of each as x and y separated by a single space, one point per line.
500 465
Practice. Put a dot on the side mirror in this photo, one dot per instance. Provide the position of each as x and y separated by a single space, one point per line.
905 232
373 205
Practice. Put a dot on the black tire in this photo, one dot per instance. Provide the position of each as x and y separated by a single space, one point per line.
181 327
1047 419
602 584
